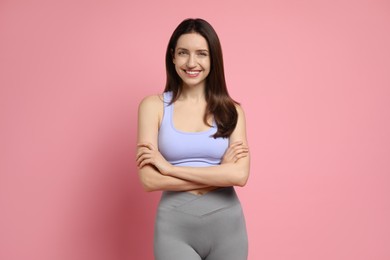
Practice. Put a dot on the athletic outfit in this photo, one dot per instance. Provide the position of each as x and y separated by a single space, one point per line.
197 227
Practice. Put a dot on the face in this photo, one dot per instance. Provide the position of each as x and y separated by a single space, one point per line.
192 59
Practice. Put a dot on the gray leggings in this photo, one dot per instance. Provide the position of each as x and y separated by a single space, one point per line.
206 227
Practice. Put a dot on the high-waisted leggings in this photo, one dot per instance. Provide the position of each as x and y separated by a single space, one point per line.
200 227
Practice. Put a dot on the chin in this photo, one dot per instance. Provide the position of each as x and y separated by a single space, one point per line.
193 84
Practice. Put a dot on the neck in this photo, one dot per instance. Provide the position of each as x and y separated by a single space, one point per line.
193 92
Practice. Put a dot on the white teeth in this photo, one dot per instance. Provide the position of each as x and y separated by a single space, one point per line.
192 72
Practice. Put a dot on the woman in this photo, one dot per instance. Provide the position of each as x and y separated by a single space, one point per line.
192 145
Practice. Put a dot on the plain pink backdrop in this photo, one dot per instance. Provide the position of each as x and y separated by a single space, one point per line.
312 76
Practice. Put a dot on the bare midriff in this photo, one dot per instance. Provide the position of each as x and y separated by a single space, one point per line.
202 191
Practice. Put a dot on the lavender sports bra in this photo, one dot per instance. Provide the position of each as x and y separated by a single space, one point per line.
196 149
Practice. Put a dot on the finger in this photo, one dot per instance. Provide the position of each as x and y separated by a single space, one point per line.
147 145
235 144
240 155
240 152
243 155
138 156
235 148
145 162
143 148
242 145
141 165
144 145
143 158
142 152
241 149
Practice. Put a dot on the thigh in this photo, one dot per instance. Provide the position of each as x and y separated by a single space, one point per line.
173 235
175 250
230 240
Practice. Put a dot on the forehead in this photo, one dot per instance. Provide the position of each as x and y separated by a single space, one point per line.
192 41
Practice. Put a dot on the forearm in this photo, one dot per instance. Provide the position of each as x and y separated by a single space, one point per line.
229 174
153 180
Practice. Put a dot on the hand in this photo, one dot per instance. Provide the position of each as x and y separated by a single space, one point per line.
234 152
148 154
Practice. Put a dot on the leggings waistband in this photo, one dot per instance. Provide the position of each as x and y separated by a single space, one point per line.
199 205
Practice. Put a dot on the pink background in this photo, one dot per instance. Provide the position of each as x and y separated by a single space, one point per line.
313 77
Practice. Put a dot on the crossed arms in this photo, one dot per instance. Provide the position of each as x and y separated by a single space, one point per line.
158 174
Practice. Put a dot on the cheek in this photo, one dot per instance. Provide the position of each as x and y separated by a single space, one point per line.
179 63
178 70
207 72
206 64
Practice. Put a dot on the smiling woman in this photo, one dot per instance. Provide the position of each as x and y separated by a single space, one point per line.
192 145
191 59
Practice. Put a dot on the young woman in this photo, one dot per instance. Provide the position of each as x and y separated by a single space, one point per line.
192 145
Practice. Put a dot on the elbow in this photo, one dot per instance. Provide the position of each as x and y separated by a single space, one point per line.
241 177
147 187
241 182
147 183
240 171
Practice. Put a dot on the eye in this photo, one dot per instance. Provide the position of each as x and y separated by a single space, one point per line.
181 53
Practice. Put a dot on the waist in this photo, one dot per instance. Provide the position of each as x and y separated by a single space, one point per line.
190 203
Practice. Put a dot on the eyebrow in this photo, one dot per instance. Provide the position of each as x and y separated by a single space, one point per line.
184 49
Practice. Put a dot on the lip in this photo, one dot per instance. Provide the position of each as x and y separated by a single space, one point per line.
192 73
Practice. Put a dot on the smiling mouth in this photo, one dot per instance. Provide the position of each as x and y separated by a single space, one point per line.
192 73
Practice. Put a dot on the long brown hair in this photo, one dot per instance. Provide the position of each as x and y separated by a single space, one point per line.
219 104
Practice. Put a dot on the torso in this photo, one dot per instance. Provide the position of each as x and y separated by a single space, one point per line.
193 124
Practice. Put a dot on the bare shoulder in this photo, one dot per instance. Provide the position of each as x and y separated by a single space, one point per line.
151 101
150 111
151 104
240 111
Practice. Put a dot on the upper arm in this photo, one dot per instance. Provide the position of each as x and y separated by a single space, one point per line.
239 133
149 116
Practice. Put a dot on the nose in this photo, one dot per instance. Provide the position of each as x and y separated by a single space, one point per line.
191 62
